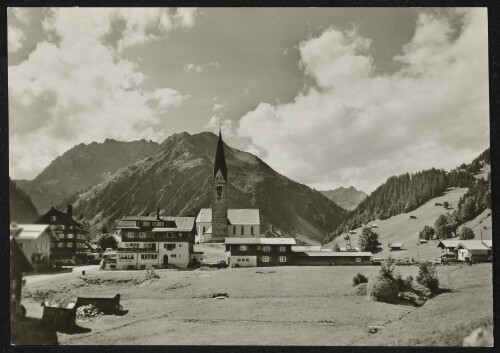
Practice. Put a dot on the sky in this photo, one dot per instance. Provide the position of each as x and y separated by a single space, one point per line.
328 97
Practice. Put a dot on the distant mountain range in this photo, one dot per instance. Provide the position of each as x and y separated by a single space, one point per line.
22 209
347 198
81 167
176 177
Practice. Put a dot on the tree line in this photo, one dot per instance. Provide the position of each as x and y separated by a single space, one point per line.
406 192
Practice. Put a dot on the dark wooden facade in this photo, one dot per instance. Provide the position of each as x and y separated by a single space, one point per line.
71 236
264 252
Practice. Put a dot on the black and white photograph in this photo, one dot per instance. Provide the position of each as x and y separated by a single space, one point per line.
252 176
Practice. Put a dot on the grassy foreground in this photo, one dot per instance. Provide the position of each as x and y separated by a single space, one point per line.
273 306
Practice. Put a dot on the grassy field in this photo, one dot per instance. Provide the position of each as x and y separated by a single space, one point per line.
401 228
272 306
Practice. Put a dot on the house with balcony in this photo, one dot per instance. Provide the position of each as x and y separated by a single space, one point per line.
34 240
159 242
69 243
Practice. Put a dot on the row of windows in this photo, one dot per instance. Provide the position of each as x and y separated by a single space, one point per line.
265 248
37 246
71 236
143 256
243 260
168 246
144 235
266 259
149 256
155 224
58 226
234 230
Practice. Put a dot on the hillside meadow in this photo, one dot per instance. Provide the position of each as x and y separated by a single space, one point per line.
299 305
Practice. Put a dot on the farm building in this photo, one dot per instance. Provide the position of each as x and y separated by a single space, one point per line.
59 314
474 250
252 252
396 246
448 246
332 258
107 303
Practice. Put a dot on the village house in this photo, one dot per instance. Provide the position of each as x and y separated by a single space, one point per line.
69 243
34 240
448 246
218 222
252 252
474 250
256 252
155 242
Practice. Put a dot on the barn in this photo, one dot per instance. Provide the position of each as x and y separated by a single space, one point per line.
474 250
332 258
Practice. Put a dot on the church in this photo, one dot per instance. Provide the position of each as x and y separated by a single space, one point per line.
218 222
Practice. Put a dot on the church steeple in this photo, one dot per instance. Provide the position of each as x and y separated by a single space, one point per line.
220 159
219 189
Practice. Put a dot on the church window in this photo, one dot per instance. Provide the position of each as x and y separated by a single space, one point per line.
234 230
242 230
203 230
251 230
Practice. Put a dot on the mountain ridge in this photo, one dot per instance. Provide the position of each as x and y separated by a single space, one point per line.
348 198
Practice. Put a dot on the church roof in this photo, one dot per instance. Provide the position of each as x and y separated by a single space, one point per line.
220 159
236 216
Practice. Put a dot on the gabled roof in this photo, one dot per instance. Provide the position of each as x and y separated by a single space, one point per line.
396 245
29 231
338 254
177 223
220 159
448 243
235 216
306 248
264 241
474 245
45 218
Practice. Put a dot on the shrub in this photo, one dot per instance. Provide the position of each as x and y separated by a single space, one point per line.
427 276
387 268
404 284
383 289
359 278
151 274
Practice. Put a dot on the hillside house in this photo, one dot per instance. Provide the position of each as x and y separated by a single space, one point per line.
448 246
252 252
332 258
69 243
474 250
155 242
35 241
19 264
396 246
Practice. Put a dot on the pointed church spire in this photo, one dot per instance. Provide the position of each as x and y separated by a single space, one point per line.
220 159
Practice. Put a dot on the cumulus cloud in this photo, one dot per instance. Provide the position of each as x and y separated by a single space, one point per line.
15 39
192 68
216 122
356 127
79 88
21 14
217 107
214 64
